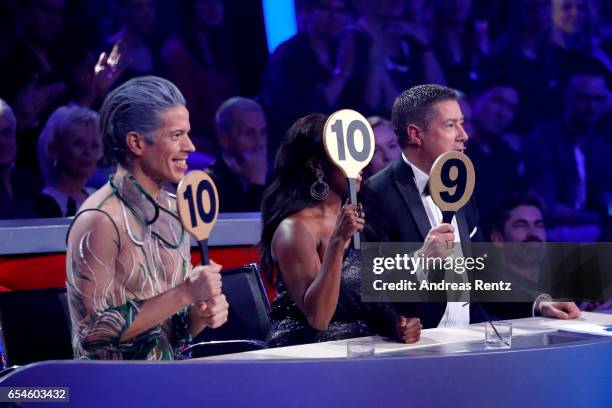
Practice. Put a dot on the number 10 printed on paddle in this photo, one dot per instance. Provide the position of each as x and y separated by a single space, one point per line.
349 143
197 201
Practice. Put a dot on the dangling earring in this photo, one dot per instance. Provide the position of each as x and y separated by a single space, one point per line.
55 163
319 189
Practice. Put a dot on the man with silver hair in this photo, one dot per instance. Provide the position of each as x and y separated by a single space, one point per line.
17 189
133 292
241 171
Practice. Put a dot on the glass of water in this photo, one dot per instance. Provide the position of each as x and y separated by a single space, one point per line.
498 335
360 348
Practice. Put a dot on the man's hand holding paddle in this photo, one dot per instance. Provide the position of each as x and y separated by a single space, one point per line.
210 303
439 242
198 208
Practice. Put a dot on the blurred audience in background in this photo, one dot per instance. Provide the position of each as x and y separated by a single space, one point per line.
497 164
574 32
521 57
137 41
17 188
198 61
461 43
312 71
393 54
565 161
534 75
34 73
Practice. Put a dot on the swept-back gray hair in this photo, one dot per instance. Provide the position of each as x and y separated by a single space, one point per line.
5 109
135 106
57 124
224 118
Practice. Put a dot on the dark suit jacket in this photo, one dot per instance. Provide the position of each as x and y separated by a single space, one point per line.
550 165
395 213
233 195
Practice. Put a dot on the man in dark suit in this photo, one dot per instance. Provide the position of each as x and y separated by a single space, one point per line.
428 122
566 161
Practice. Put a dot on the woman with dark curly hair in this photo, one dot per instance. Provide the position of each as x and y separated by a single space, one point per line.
305 236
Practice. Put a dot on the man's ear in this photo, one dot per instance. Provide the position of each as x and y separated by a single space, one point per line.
414 135
135 142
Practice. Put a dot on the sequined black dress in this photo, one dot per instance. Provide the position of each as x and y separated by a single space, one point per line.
352 317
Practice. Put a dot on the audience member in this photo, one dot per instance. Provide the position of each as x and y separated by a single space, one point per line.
573 33
461 43
518 218
136 41
33 74
38 73
241 170
386 148
314 70
392 54
68 150
198 61
519 231
496 163
522 58
17 189
564 162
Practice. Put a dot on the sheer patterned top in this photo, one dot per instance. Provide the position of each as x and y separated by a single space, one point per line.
137 250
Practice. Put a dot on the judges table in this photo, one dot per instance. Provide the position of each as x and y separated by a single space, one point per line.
447 367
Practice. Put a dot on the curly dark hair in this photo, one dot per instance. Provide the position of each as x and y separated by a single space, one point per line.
289 192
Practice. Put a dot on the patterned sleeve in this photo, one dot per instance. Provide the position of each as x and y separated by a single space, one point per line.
181 338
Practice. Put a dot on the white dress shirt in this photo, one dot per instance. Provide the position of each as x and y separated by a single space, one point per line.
581 187
455 314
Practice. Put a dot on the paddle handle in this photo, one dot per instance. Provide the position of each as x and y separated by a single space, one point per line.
447 216
353 194
203 244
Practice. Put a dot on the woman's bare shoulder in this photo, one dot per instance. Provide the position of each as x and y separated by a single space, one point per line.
297 230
